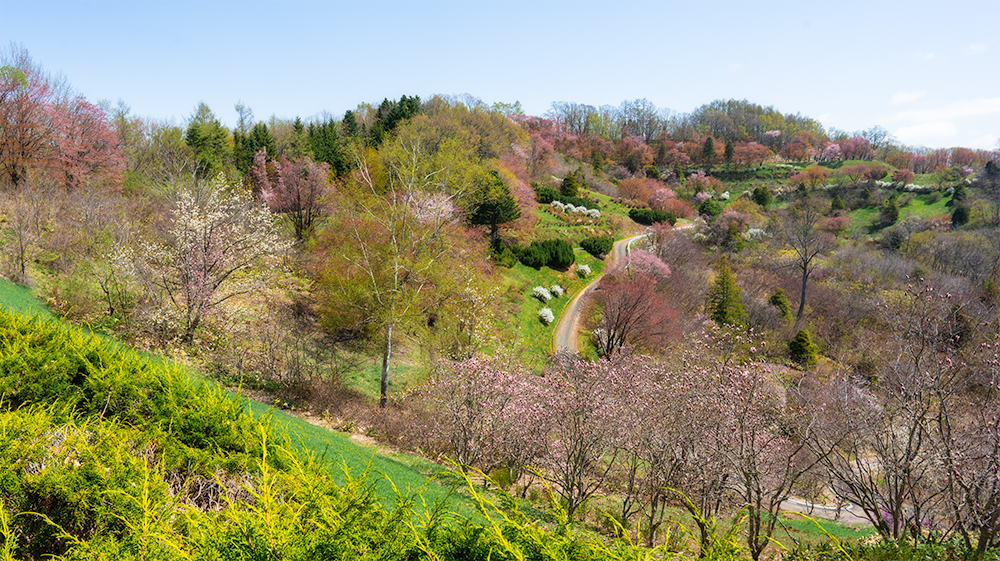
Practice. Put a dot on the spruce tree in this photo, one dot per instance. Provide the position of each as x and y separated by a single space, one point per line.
802 349
725 301
708 151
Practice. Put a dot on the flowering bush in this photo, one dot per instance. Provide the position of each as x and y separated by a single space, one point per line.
583 271
592 213
546 316
557 290
541 293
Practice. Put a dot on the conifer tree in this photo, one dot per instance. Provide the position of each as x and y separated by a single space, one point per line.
493 205
802 349
725 300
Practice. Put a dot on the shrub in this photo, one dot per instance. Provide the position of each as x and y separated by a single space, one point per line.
546 316
711 207
560 253
802 349
506 257
583 271
541 293
545 195
598 246
557 290
647 216
534 256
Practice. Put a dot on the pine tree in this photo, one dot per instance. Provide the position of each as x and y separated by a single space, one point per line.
725 300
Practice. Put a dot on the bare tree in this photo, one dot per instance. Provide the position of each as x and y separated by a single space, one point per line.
807 242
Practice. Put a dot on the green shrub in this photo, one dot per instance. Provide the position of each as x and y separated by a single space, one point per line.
598 246
710 207
534 255
802 349
560 253
545 195
647 216
780 301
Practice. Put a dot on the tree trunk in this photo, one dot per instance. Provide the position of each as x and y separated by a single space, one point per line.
802 296
383 399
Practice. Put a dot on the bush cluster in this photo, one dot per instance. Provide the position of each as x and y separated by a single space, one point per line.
649 216
547 195
598 246
557 254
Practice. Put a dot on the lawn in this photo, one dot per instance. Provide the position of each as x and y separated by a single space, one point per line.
535 337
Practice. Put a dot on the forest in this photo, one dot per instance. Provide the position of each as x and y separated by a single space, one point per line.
784 339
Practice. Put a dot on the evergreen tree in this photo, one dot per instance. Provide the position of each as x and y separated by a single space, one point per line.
780 301
493 205
802 350
730 152
299 141
725 300
350 124
210 141
708 151
836 204
324 144
570 187
762 196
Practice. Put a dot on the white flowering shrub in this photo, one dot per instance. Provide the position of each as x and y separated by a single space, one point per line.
216 244
546 316
541 293
724 196
583 271
593 213
557 290
558 205
754 234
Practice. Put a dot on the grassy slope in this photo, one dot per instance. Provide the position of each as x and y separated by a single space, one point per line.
409 474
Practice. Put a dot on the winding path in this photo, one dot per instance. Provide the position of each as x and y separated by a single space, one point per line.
565 336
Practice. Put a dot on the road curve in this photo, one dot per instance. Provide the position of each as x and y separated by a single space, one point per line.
565 336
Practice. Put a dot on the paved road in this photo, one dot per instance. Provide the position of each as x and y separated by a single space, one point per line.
568 328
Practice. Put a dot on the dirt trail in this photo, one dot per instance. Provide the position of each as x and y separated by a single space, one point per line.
565 336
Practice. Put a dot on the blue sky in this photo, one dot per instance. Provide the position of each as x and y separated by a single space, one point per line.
925 71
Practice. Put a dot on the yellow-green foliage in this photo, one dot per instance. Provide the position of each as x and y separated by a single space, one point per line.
107 454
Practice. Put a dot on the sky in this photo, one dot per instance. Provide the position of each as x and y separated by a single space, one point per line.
925 71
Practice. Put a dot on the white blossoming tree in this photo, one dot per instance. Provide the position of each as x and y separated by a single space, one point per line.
215 240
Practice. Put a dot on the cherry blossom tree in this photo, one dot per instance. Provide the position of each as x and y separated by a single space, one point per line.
214 239
489 411
301 192
582 411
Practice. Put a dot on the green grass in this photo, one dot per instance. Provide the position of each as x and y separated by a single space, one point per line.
21 300
536 338
921 206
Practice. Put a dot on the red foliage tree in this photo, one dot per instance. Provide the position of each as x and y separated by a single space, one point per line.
632 312
86 147
25 130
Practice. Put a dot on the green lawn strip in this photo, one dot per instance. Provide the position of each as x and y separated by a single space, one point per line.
21 300
409 474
